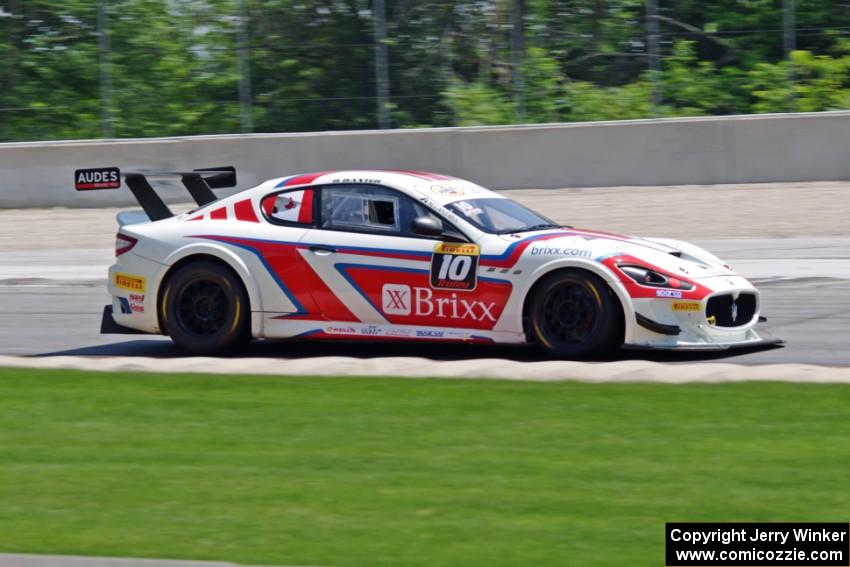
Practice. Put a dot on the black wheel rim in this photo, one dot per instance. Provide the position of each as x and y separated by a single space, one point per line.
569 313
202 308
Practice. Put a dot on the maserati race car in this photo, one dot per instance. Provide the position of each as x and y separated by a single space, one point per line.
404 255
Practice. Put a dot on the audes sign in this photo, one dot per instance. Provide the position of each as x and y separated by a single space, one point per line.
97 178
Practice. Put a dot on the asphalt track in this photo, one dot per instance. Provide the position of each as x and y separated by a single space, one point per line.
50 305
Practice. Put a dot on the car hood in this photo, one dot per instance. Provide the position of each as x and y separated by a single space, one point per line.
674 256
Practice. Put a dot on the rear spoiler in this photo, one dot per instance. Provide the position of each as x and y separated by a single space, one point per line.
199 183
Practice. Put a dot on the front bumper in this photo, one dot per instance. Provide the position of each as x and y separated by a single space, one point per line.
724 319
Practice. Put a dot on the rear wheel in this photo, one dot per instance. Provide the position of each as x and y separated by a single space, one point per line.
574 314
205 309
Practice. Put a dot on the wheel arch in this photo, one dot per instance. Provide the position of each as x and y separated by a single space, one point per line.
626 309
222 257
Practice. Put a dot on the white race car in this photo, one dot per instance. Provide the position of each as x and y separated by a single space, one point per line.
405 255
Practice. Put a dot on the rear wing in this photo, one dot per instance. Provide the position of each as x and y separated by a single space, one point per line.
199 183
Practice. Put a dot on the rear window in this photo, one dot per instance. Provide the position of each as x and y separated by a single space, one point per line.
290 206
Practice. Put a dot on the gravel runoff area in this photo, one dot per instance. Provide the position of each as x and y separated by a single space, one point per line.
689 212
408 367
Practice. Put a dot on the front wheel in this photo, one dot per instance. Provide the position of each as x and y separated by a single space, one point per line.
205 309
574 314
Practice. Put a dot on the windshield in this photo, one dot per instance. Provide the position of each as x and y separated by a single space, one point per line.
500 216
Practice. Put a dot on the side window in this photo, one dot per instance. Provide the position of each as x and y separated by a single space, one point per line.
374 209
361 208
290 206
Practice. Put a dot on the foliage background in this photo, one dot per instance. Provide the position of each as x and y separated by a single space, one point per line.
174 66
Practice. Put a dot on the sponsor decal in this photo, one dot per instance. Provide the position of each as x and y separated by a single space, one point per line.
97 178
428 202
132 304
395 299
431 334
674 293
447 191
469 209
371 330
125 306
393 332
687 306
459 335
128 281
454 266
420 302
456 248
555 251
334 330
137 303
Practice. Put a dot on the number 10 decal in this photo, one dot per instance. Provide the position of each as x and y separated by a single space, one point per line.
454 266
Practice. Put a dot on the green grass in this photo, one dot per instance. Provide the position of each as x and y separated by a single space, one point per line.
382 472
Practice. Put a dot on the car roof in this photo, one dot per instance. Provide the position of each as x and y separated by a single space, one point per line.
441 188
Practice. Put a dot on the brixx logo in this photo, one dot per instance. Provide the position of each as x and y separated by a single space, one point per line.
420 301
395 299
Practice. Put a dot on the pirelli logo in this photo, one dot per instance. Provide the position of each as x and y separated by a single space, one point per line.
130 282
456 249
686 306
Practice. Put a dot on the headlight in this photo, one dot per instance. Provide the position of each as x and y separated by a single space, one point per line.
645 276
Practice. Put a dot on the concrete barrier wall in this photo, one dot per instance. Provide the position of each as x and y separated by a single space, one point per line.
714 150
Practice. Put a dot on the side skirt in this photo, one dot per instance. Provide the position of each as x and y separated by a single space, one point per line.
279 326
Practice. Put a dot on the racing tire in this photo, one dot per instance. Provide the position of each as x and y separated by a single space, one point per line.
204 308
574 314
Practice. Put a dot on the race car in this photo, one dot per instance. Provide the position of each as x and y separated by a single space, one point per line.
405 256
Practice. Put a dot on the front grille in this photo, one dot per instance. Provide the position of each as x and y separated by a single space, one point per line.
728 312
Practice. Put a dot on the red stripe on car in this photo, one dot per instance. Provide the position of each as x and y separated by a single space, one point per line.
245 211
305 213
405 297
286 263
638 291
520 246
305 178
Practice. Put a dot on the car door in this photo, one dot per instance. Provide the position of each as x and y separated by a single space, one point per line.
371 263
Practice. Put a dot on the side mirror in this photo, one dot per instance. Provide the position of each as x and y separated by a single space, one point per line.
427 226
